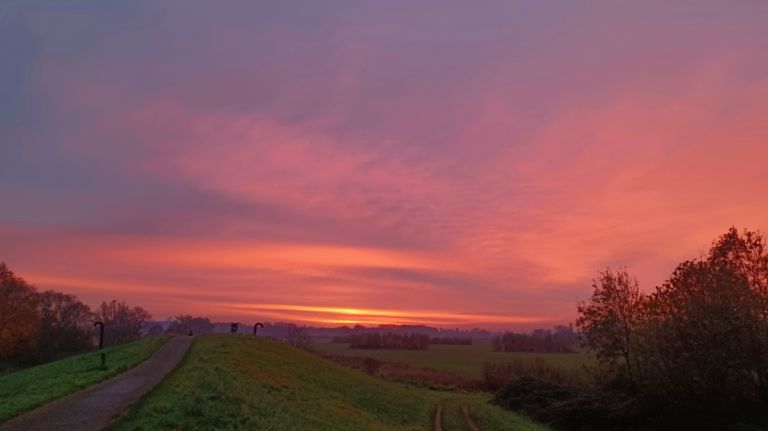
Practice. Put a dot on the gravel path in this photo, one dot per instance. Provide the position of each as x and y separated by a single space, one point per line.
99 406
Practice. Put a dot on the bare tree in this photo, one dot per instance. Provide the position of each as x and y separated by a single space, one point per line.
297 336
64 328
122 323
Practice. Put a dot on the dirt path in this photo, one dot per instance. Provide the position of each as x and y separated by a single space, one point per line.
100 405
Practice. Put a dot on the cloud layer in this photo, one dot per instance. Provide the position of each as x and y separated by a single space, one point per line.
399 163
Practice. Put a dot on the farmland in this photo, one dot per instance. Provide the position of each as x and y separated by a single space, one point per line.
466 361
26 389
240 382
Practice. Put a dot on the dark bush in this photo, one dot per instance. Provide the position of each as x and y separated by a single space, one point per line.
371 365
570 408
497 375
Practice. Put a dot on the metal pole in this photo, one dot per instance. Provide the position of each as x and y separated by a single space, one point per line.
256 328
101 343
101 333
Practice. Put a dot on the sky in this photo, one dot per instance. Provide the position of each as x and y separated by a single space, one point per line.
455 164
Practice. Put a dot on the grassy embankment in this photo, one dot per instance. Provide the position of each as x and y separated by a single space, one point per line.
24 390
241 382
466 361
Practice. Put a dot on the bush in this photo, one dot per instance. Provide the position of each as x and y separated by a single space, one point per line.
371 365
570 408
497 375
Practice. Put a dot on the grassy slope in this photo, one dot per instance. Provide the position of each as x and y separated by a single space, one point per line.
462 360
240 382
24 390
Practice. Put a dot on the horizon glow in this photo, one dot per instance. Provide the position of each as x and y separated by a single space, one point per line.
334 163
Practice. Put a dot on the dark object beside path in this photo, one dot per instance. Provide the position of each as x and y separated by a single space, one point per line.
99 406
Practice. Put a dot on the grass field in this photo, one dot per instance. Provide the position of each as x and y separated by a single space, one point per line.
26 389
240 382
466 361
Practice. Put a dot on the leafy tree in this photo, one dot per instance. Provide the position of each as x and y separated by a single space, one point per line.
701 327
707 327
610 320
19 314
745 254
700 340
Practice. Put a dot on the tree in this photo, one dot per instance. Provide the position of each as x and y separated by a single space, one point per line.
297 336
122 323
609 320
65 326
700 340
745 254
708 332
184 324
19 314
155 330
702 323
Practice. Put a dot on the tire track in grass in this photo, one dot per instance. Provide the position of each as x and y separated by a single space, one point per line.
439 419
468 419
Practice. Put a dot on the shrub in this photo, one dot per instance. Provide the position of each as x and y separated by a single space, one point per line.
568 407
497 375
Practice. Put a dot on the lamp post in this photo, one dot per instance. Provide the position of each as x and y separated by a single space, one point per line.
256 328
100 324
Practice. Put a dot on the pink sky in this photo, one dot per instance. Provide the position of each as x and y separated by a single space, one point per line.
358 162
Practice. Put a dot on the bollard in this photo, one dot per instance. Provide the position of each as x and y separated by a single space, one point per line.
256 328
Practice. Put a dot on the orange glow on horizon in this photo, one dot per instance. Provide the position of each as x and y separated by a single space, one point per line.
321 314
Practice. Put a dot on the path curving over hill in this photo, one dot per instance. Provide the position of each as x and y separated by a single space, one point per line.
100 405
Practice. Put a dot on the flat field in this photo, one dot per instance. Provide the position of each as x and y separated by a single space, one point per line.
24 390
465 361
243 382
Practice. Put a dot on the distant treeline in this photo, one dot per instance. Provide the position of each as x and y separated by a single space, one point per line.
344 331
36 327
386 341
457 341
563 339
185 325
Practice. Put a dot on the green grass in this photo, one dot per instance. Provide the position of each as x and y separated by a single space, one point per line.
231 382
26 389
465 361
